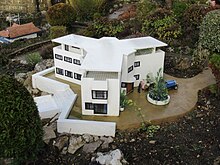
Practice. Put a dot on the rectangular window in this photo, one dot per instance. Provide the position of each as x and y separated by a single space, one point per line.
77 76
137 76
137 64
68 74
59 71
144 51
66 47
77 62
59 57
75 47
99 94
89 106
130 69
100 108
68 59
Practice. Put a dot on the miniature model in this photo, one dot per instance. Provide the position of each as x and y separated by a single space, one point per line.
16 32
105 67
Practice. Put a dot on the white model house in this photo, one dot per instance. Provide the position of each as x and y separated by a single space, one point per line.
106 66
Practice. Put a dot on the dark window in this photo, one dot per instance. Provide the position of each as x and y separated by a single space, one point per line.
123 85
137 76
77 76
89 106
66 47
75 47
130 69
59 57
68 74
68 59
99 94
59 71
137 64
77 62
100 108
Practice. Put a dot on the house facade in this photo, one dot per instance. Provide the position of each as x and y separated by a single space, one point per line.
104 67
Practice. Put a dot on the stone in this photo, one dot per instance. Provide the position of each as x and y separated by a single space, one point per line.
114 157
92 147
217 161
61 142
106 141
48 134
75 143
21 77
152 141
88 138
96 138
44 64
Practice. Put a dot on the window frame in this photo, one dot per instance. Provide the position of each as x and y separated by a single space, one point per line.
99 94
59 57
130 69
66 47
76 61
68 59
76 76
137 64
58 71
67 74
89 106
137 76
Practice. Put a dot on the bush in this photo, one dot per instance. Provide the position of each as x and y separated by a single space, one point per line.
46 52
191 21
214 64
102 27
209 36
61 15
20 126
57 31
144 8
162 25
86 9
33 58
178 8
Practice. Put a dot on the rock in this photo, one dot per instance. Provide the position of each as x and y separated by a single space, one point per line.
92 147
88 138
152 141
217 161
132 140
114 157
48 133
75 143
106 141
61 142
21 77
47 63
65 150
96 138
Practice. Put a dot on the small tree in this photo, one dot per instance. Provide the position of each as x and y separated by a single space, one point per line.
20 126
57 31
61 14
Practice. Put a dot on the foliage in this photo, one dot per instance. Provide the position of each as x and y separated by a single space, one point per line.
46 52
200 56
166 29
214 64
159 91
20 126
103 27
191 21
209 36
57 31
124 100
178 8
144 8
86 9
33 58
61 14
150 130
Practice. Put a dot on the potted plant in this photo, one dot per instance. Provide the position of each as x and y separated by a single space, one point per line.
158 93
123 101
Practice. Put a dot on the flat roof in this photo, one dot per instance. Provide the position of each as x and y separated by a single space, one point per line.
102 75
106 54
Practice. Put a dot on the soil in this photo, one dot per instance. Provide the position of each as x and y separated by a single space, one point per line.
193 140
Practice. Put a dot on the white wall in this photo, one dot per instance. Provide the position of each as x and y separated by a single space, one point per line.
110 85
128 61
74 68
34 35
149 63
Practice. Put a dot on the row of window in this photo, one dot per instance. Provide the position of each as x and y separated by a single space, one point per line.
67 59
99 94
98 108
136 64
68 74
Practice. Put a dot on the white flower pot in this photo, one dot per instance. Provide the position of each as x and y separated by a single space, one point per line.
122 109
155 102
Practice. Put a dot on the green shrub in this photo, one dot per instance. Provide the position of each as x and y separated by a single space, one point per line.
144 8
33 58
178 8
162 25
20 126
61 15
191 21
57 31
102 27
86 9
209 36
